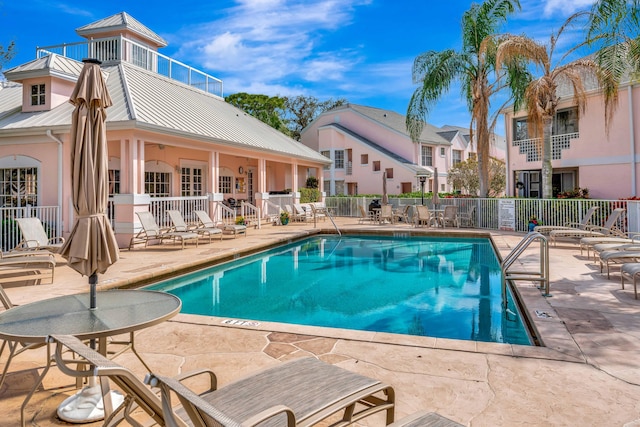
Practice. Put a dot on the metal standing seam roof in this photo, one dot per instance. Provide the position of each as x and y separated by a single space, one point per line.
53 64
118 21
165 106
394 121
406 163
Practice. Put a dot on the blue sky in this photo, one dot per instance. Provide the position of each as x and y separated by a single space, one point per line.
361 50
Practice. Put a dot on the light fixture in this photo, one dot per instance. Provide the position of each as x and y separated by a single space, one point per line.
240 170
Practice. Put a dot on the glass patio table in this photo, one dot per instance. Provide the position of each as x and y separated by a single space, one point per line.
118 312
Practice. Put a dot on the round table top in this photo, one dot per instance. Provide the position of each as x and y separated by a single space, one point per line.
118 311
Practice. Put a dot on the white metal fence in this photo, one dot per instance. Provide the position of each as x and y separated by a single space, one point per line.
10 234
547 211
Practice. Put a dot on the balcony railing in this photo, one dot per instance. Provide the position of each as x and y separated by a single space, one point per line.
532 147
112 49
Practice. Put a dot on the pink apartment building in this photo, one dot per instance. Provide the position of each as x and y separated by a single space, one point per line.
584 154
170 132
363 142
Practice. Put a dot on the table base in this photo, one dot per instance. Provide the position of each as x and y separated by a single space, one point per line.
87 406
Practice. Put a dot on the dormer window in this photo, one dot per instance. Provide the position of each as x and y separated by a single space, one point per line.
38 95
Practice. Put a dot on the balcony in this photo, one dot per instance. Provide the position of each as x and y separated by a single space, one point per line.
532 146
114 49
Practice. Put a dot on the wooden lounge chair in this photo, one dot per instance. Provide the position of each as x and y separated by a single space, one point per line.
301 393
179 224
34 236
152 231
207 222
582 225
27 266
608 229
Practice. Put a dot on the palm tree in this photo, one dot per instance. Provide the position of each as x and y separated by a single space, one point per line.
473 67
541 99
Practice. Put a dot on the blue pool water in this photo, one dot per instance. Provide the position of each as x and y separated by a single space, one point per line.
429 286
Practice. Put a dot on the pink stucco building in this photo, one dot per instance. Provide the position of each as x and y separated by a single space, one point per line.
363 142
585 154
170 133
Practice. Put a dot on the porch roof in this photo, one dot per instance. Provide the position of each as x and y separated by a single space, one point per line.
150 101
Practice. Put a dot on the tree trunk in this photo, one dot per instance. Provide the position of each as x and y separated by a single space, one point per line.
483 139
547 170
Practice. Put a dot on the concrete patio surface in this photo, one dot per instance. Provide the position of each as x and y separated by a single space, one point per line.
586 374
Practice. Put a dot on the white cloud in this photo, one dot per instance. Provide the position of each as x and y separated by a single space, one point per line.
566 7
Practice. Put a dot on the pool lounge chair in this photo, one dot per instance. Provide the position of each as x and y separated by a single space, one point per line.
582 225
27 266
450 216
151 231
179 224
34 236
631 271
423 216
618 256
207 222
608 229
302 214
303 391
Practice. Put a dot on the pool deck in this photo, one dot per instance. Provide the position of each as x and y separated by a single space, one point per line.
587 374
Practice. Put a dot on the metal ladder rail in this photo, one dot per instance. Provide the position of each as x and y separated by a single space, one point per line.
328 214
541 276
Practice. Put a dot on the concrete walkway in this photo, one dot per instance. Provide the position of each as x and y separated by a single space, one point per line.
587 374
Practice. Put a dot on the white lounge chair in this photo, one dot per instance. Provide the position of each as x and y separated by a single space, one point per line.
366 216
301 392
151 231
608 229
207 222
27 266
631 271
179 224
584 222
450 216
34 236
618 256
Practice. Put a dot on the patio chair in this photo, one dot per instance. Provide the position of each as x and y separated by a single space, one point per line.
401 215
450 216
24 266
179 224
467 218
34 236
207 222
584 222
423 216
151 231
608 229
302 392
319 211
365 215
386 214
588 243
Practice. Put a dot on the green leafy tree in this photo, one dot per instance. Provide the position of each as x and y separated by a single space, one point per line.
268 109
464 176
614 30
474 68
6 54
302 110
541 99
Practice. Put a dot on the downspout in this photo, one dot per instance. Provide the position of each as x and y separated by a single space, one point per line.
59 141
632 139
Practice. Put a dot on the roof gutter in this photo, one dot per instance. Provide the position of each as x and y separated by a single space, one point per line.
54 138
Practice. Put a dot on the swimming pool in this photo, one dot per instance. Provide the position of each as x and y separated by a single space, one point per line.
428 286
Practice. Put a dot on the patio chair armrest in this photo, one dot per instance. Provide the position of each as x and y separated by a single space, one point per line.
264 415
213 379
55 240
576 225
24 245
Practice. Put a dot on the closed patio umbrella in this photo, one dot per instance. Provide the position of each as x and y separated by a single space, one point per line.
385 197
91 247
435 199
